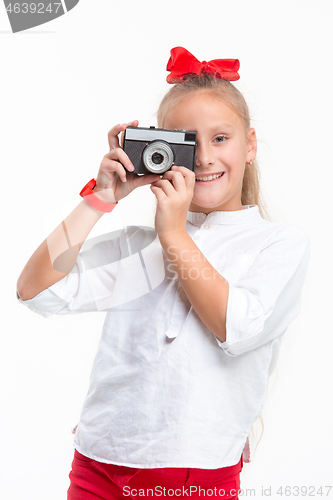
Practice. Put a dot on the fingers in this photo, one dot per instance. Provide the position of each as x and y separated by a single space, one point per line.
143 180
177 182
176 178
119 154
180 179
113 136
116 130
111 166
164 186
188 176
115 161
135 123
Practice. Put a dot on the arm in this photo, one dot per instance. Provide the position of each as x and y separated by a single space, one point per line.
267 298
56 256
205 288
257 308
39 273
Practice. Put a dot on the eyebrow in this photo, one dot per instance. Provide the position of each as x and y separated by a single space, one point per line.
221 125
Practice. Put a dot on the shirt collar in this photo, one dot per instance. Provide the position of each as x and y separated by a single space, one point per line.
249 213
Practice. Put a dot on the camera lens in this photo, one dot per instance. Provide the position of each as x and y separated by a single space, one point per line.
157 158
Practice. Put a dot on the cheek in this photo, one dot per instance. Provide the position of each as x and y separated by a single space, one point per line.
235 155
234 159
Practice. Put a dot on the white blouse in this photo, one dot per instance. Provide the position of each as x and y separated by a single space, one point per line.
164 391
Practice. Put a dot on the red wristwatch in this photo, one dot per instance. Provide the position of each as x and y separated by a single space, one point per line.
93 200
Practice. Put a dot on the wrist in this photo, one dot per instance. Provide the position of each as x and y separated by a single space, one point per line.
93 199
105 195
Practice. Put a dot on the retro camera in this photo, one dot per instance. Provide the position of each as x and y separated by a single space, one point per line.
155 150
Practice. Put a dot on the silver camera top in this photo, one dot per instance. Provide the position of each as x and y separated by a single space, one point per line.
152 133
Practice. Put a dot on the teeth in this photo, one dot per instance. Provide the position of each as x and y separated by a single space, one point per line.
209 177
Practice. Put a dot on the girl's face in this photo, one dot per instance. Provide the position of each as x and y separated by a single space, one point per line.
222 150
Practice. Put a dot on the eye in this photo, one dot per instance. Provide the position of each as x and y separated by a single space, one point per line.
220 138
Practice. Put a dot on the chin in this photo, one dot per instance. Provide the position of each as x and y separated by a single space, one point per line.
205 208
207 202
221 205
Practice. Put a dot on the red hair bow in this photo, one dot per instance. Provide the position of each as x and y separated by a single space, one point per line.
183 63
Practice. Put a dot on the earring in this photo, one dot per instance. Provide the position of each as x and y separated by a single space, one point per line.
249 162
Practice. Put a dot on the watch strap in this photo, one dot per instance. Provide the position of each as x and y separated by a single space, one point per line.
89 196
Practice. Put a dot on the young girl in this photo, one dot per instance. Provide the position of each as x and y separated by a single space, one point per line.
195 309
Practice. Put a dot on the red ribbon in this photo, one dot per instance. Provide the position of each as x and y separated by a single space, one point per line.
182 63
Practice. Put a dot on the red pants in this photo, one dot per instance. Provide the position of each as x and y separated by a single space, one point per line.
91 480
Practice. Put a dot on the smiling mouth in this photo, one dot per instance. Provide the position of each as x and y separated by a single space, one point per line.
206 178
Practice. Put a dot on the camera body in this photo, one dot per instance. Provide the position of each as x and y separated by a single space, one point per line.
155 150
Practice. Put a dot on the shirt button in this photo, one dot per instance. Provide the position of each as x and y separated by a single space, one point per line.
196 237
206 226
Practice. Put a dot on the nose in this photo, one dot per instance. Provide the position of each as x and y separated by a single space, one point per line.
204 156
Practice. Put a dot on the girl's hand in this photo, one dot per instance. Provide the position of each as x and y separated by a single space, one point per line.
113 134
174 195
113 182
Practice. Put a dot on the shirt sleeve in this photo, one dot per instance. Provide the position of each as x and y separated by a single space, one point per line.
111 270
89 285
263 303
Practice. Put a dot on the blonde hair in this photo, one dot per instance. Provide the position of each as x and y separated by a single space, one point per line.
227 93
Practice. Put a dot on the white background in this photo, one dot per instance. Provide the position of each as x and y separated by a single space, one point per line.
63 86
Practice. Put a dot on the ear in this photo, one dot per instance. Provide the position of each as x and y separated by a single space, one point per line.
251 145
